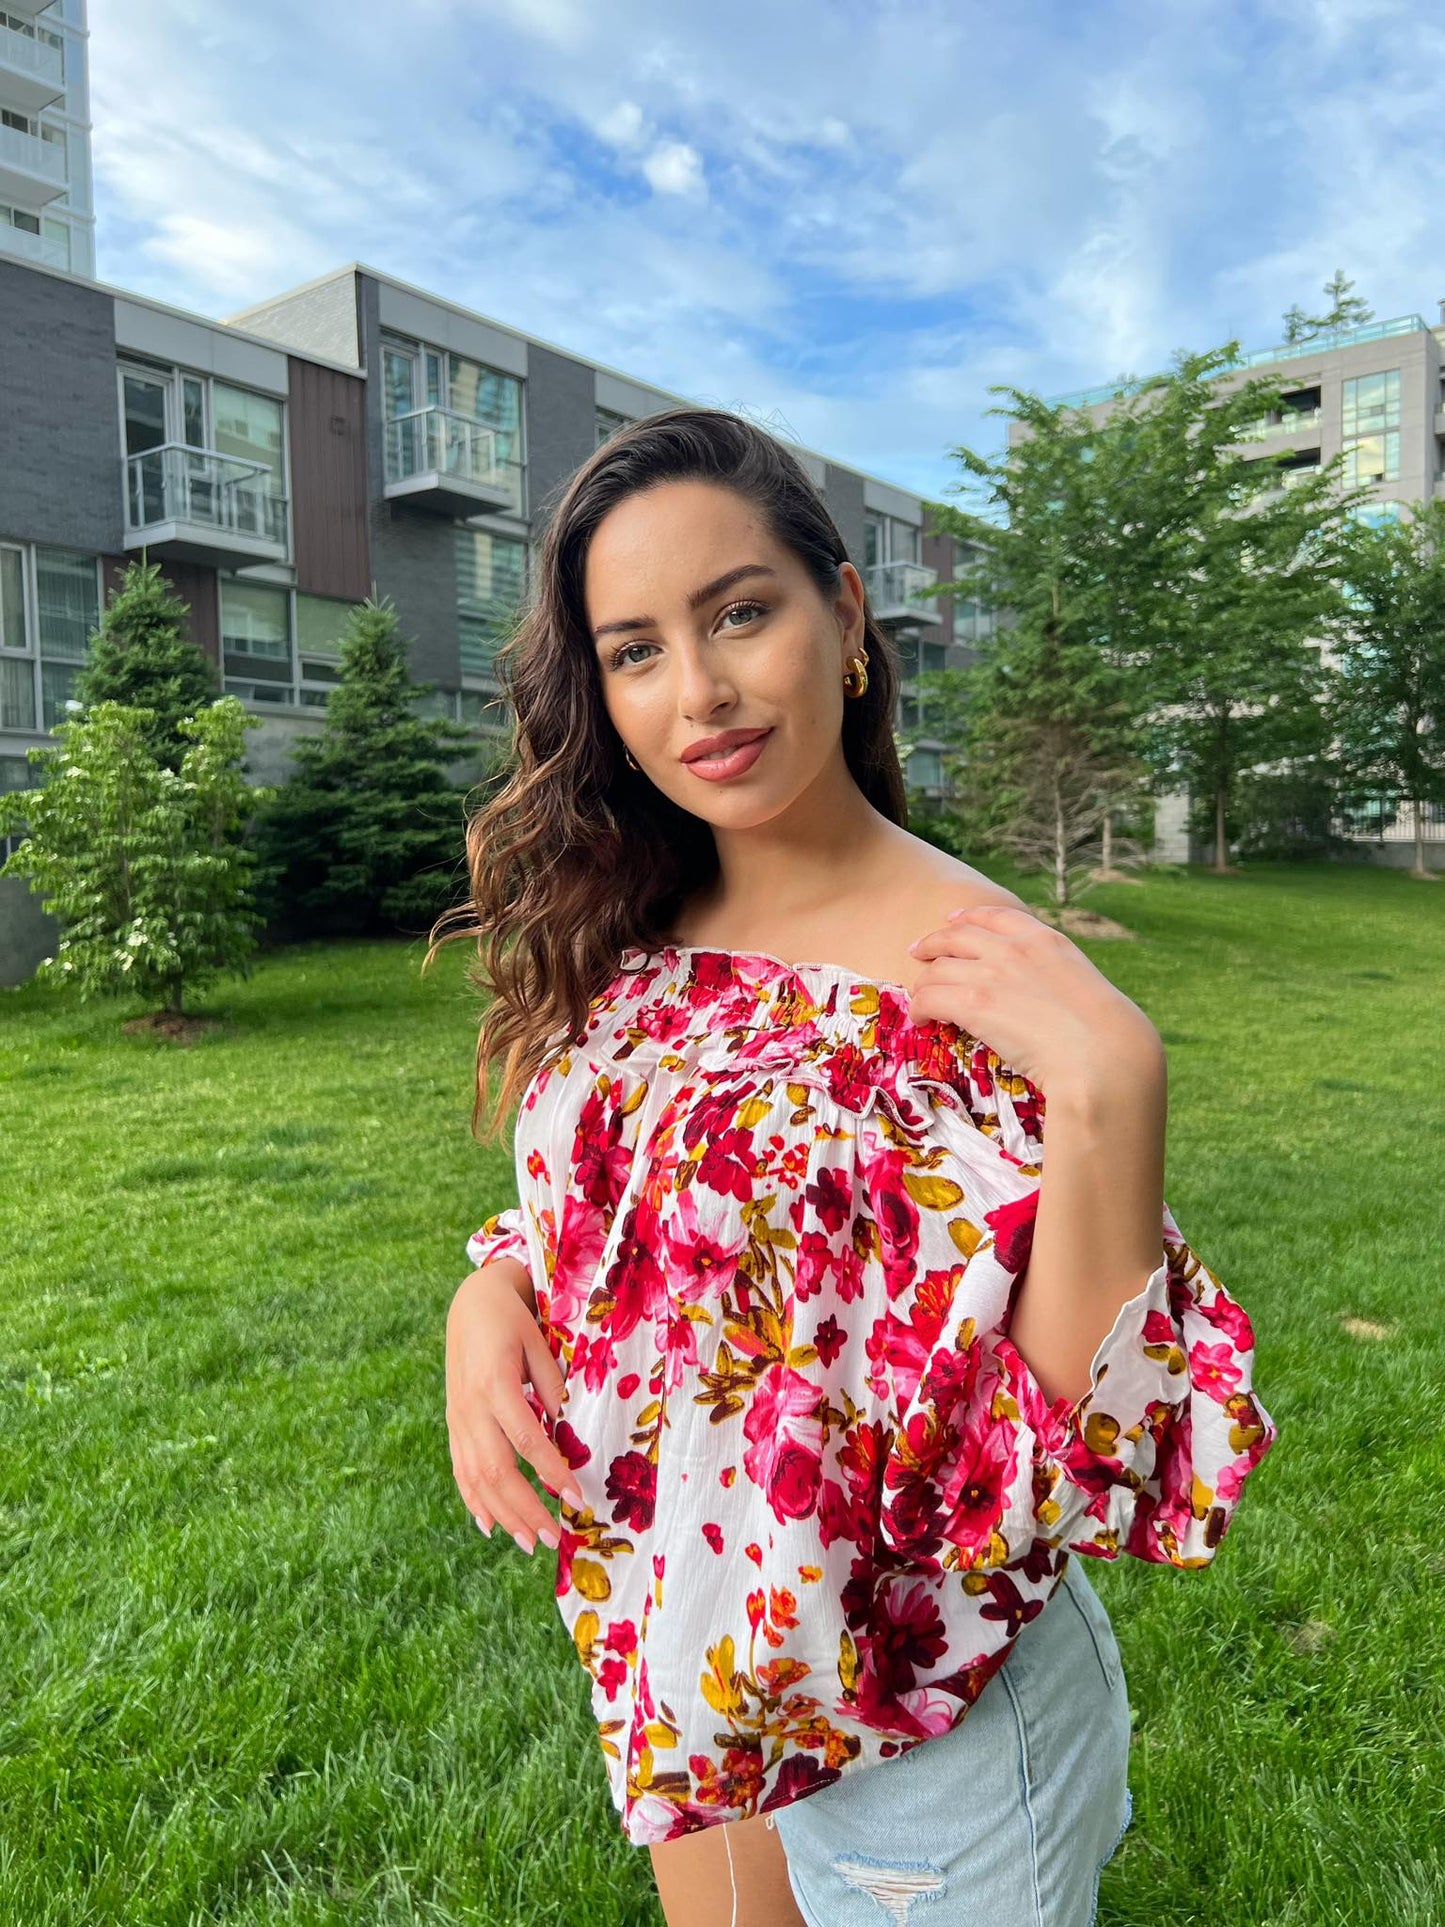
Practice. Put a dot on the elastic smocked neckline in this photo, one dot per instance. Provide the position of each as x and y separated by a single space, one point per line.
668 950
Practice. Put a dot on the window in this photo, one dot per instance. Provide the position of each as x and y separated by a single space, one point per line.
49 610
1371 403
608 424
935 656
887 538
418 379
236 478
256 642
1373 458
1375 515
491 586
320 621
924 770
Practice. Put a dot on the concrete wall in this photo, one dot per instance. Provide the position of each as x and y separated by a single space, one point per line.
60 472
316 320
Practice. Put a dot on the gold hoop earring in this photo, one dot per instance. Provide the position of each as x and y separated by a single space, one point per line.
855 677
631 759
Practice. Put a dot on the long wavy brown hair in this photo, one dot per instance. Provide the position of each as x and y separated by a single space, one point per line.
577 855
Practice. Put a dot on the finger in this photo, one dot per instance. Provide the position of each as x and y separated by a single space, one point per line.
548 1383
494 1487
519 1424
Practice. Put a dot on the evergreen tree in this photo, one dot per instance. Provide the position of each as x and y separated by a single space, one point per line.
1388 701
367 834
143 866
1346 310
141 656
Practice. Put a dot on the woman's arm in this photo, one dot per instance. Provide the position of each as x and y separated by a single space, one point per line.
1097 1234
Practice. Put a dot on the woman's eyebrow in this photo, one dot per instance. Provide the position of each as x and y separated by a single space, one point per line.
694 601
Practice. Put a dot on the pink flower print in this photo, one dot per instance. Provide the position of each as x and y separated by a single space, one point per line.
1214 1370
714 1536
727 1163
702 1265
1230 1318
785 1460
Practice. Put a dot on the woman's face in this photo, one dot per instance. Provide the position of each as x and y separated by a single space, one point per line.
763 652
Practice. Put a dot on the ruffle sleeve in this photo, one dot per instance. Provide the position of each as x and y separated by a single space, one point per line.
503 1235
1151 1460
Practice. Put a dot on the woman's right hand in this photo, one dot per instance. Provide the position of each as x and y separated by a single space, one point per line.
494 1344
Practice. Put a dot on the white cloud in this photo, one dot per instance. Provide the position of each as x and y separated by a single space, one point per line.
858 229
674 168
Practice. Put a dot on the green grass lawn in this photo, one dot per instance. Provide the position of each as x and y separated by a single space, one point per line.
257 1664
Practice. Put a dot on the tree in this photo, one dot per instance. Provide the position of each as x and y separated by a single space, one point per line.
1346 310
1388 701
1168 593
142 657
366 834
1223 571
143 865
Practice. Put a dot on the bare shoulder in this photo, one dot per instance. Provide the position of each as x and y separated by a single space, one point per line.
942 883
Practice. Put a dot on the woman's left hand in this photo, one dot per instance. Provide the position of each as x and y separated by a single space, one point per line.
1002 974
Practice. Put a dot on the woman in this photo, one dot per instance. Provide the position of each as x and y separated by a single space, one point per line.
833 1378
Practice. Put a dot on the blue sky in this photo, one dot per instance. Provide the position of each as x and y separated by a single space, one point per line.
848 219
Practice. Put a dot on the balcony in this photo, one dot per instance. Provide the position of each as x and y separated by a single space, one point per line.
33 247
32 171
193 505
1298 421
445 463
890 586
32 72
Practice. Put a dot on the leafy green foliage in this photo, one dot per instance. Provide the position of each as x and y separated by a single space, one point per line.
1387 700
142 865
366 836
141 656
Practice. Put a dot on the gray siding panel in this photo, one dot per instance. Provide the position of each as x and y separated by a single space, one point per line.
60 474
844 496
561 427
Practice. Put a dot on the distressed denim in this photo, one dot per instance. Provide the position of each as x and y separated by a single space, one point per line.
1007 1820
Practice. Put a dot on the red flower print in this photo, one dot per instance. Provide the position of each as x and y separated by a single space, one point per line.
831 1196
813 1264
632 1488
829 1339
1231 1319
701 1265
714 1536
1012 1226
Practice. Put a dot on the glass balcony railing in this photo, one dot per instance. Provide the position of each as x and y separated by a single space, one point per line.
435 441
1294 422
33 247
30 168
198 491
892 586
1405 324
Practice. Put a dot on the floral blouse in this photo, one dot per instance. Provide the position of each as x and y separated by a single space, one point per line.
773 1226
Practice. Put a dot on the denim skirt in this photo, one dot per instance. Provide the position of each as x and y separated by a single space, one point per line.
1009 1818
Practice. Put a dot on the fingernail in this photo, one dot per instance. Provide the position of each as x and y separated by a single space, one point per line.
957 913
523 1542
480 1527
573 1497
548 1536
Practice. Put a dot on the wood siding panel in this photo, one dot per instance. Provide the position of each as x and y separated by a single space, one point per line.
327 426
195 585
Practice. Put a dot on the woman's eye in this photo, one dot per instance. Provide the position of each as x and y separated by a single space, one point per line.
749 609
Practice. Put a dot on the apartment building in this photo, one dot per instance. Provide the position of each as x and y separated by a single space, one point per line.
1376 394
47 209
352 436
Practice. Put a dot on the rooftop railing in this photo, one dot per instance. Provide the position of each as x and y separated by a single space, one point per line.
1407 324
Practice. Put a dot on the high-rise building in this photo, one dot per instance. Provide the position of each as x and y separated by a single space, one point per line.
47 207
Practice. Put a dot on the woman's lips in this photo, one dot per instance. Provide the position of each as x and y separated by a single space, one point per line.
732 762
